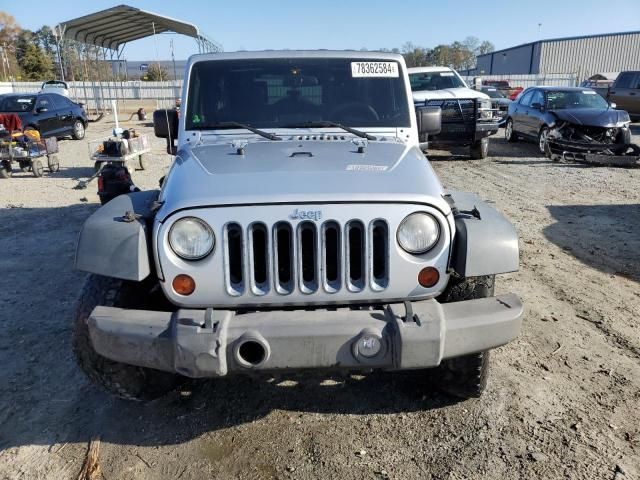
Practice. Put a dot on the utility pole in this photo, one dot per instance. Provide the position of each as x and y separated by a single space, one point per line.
4 72
173 59
58 42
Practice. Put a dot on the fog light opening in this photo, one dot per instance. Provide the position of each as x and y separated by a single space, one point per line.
184 284
252 352
428 277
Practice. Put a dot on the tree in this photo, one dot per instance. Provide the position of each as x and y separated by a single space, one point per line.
485 47
33 61
36 64
415 56
156 73
9 32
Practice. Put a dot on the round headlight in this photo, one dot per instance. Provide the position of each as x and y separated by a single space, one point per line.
418 233
191 238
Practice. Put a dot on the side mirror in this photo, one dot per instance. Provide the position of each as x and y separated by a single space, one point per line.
613 105
42 109
165 125
429 120
537 106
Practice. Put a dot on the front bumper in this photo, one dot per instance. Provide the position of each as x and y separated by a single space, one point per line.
212 343
623 155
464 134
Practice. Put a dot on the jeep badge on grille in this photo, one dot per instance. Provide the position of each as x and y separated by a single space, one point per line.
306 215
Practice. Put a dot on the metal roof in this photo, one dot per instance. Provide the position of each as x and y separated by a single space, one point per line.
119 25
563 39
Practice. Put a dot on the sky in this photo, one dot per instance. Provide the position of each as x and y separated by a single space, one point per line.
355 24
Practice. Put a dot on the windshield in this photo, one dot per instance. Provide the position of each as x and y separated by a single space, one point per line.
575 99
16 103
493 93
275 93
434 81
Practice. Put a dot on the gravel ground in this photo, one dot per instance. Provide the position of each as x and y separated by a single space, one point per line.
563 399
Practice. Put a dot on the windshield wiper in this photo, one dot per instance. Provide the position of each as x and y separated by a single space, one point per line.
327 123
221 125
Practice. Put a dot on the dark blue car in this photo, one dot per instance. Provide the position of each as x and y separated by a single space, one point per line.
53 115
584 115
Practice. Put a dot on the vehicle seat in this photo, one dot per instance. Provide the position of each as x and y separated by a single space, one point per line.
246 103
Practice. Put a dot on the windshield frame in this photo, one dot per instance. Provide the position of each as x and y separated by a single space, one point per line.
449 72
405 115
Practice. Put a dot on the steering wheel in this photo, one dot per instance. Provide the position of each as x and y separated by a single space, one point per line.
355 111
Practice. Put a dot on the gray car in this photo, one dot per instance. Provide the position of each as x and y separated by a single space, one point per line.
300 227
591 119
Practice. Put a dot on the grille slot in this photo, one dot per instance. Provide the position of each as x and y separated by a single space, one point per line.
308 259
259 258
379 235
356 248
283 251
233 259
331 256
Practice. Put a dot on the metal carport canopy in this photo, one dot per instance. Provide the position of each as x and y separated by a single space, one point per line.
119 25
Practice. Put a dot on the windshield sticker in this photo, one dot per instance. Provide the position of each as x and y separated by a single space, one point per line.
25 100
374 69
367 168
446 74
589 92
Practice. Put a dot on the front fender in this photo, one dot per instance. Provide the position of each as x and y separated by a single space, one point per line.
487 245
111 246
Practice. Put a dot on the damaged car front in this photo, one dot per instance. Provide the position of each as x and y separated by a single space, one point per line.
585 127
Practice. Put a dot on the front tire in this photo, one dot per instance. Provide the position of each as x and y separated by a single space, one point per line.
624 137
5 169
542 140
78 130
509 132
37 168
465 377
125 381
480 149
53 163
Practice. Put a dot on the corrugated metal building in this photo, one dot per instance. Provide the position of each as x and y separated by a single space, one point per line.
583 56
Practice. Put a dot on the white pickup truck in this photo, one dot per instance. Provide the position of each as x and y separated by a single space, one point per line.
467 115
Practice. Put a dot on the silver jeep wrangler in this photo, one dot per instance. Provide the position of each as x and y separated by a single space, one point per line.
300 227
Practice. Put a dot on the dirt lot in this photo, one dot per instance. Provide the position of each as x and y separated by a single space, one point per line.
563 400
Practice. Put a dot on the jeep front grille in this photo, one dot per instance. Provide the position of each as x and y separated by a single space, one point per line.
306 257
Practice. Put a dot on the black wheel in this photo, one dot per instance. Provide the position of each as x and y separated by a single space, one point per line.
144 161
465 377
53 163
78 130
509 132
36 167
5 169
542 139
25 166
479 149
97 165
624 136
125 381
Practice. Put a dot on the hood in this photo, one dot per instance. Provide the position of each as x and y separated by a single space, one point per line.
593 117
322 171
460 92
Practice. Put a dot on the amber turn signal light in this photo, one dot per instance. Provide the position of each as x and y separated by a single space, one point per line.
184 284
428 277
